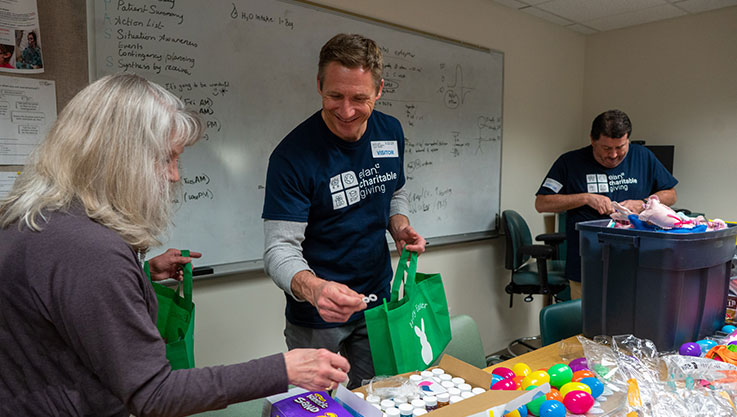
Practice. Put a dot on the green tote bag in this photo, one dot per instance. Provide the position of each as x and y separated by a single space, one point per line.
410 333
175 319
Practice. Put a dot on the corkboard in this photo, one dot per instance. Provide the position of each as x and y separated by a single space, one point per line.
64 41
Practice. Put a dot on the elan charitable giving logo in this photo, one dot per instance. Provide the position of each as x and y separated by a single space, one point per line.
602 183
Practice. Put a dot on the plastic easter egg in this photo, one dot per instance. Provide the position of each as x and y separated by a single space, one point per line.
581 374
534 406
706 344
728 328
734 342
503 372
578 402
505 384
520 412
601 370
552 408
690 349
536 378
521 369
732 348
495 378
518 381
597 387
554 394
560 374
578 364
573 386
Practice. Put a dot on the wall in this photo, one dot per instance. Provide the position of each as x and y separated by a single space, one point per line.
241 316
676 80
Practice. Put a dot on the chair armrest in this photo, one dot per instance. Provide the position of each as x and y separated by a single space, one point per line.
538 251
551 238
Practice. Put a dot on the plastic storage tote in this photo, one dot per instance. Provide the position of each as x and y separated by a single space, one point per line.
670 288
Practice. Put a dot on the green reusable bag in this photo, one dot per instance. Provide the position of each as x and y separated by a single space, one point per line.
410 333
175 319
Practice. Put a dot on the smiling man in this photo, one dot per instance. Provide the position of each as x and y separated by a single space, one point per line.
584 182
334 186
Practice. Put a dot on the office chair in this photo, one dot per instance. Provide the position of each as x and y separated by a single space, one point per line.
559 321
465 343
546 275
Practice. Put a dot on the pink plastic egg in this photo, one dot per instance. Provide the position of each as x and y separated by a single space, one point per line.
505 384
578 402
503 372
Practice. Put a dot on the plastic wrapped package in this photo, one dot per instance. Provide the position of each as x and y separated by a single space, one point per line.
658 385
393 387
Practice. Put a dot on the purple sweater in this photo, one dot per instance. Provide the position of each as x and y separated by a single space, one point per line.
78 333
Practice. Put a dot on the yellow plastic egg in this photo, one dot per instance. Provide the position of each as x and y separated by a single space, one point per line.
574 386
536 378
521 369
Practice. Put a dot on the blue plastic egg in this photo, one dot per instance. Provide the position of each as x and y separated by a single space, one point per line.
706 344
597 388
552 408
728 328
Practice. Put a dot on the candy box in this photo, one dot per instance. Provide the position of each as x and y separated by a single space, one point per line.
311 403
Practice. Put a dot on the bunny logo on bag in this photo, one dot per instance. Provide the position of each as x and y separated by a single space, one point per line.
426 348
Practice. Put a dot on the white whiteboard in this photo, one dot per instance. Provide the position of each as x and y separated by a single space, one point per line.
249 68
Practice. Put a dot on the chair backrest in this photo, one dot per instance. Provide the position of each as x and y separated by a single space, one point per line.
517 234
562 229
466 342
559 321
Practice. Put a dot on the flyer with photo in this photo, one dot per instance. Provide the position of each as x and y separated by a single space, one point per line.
20 37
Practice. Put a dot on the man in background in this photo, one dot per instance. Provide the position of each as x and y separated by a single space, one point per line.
584 182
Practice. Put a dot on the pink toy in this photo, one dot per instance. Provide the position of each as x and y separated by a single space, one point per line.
662 215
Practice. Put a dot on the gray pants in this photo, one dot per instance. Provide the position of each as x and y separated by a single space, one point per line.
351 340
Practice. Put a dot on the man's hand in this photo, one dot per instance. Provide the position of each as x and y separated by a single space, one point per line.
406 235
600 203
335 302
635 206
169 264
316 369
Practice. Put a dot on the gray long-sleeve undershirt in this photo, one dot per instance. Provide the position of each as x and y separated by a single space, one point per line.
283 244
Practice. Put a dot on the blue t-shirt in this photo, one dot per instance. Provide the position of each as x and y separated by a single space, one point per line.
638 176
343 191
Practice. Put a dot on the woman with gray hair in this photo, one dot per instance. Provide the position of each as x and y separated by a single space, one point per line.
77 313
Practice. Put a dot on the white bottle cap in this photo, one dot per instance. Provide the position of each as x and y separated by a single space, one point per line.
387 404
445 377
426 374
419 412
405 409
430 401
448 384
464 387
455 398
400 400
415 378
373 399
418 403
438 371
458 380
443 397
467 394
359 395
392 412
454 391
478 390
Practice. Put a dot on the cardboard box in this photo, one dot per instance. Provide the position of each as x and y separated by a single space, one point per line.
488 404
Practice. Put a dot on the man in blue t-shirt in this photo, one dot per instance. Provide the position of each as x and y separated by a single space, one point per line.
584 182
334 186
